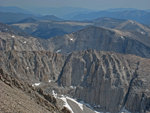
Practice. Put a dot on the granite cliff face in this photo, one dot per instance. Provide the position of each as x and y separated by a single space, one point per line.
9 41
32 65
108 80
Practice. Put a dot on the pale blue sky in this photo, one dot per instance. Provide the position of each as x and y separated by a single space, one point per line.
90 4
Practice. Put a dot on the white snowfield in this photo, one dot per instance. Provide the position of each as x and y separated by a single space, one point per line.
66 103
36 84
79 104
99 112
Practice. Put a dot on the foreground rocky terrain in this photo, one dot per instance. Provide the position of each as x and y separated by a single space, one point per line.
19 97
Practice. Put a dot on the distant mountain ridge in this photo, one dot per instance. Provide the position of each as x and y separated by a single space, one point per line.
142 16
27 20
50 28
14 9
34 19
137 15
14 14
50 17
62 12
9 17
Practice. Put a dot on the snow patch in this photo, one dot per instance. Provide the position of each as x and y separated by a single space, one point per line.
142 33
79 104
27 68
24 42
13 36
99 112
122 37
49 81
97 106
91 107
132 22
72 87
71 39
147 90
88 105
36 84
66 103
58 51
124 110
123 67
15 47
54 94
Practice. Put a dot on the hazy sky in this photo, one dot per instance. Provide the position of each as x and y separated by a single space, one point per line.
90 4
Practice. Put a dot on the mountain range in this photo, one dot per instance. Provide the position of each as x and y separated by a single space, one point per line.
136 15
70 13
50 28
52 65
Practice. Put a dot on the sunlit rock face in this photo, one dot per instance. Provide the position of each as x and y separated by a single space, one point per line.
112 81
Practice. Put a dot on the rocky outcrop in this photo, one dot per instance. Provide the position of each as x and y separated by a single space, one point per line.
109 80
32 65
19 43
8 29
17 96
